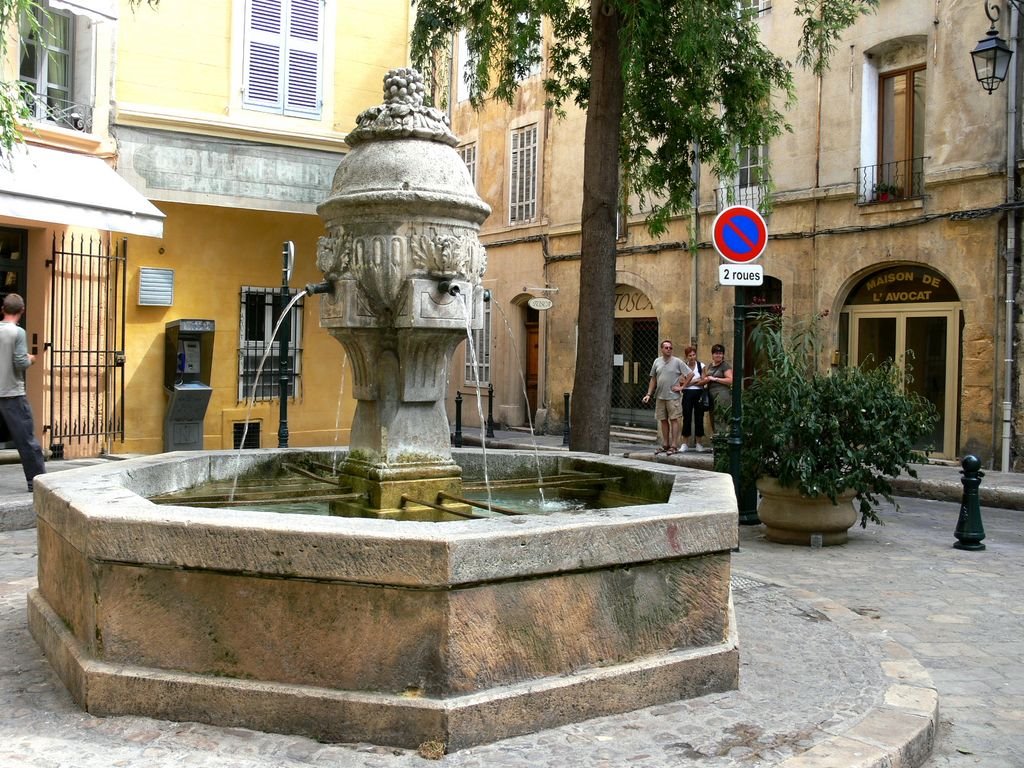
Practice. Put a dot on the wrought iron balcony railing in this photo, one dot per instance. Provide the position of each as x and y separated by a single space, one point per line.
889 182
752 197
68 114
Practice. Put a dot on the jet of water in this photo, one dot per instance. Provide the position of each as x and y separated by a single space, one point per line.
252 398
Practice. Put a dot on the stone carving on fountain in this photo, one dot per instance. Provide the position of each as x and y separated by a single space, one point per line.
405 262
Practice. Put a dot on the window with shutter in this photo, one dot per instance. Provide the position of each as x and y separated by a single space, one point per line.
523 175
468 154
283 56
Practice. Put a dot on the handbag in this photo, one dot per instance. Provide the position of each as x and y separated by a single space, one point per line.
705 399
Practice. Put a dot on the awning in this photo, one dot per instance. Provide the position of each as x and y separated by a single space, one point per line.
80 190
97 10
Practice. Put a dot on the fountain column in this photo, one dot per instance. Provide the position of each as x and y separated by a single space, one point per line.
404 260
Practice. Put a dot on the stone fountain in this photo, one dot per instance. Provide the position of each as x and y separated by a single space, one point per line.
403 263
378 629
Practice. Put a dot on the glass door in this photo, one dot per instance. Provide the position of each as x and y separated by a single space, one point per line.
925 342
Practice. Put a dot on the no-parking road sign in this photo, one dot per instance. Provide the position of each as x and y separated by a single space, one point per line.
740 234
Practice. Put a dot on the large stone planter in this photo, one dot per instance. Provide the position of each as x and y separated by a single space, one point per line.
791 518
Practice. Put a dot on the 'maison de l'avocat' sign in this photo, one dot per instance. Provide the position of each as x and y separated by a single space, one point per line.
904 284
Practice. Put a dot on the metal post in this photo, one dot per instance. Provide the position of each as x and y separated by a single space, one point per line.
969 529
490 410
457 440
565 420
746 495
285 331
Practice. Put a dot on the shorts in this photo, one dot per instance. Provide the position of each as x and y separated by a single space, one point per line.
668 409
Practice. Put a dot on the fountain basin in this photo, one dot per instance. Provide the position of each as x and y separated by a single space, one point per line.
393 632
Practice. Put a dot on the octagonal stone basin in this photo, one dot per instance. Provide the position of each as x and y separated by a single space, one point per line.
398 633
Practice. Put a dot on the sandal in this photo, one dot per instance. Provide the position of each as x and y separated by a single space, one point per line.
671 451
663 449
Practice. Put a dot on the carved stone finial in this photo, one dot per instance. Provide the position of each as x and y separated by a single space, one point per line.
402 115
403 86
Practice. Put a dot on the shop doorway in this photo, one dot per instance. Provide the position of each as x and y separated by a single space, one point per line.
635 348
532 325
891 315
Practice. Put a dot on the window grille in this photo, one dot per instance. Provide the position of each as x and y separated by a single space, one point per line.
260 310
251 435
523 176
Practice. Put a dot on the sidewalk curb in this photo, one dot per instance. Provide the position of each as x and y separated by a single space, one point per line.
900 732
17 512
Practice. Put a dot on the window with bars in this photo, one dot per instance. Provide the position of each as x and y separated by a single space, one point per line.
479 352
46 67
523 175
260 310
750 187
283 57
468 154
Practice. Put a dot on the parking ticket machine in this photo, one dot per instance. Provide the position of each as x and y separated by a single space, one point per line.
188 361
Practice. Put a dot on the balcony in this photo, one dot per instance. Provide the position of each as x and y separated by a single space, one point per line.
67 114
752 196
890 182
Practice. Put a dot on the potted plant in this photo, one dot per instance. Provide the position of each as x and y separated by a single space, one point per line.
815 437
884 191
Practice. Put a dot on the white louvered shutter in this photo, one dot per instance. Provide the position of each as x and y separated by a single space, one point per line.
304 46
264 45
283 56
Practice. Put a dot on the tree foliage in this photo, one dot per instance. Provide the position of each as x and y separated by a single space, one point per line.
693 83
698 81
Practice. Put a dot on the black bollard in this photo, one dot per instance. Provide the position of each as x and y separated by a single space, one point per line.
457 438
490 410
969 530
565 420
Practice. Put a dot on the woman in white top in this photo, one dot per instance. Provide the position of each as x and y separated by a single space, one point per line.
693 413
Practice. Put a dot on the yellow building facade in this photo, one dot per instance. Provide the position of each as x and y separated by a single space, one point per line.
231 116
63 212
226 118
888 215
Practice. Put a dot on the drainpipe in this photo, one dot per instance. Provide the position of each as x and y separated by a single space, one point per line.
1011 235
692 245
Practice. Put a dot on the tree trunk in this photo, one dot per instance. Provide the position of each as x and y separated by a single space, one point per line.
592 386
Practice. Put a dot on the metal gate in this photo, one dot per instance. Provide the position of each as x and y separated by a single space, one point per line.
636 347
86 345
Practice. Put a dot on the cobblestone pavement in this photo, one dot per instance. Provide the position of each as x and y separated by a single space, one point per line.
960 614
809 668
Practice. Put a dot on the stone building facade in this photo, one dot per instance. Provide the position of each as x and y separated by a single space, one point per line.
889 214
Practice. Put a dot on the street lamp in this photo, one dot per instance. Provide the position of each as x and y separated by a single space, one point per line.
991 59
991 56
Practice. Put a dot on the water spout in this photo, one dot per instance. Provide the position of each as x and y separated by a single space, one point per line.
327 286
449 286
